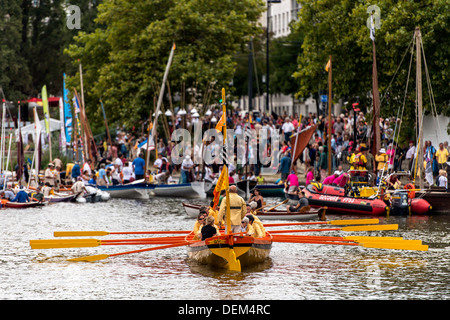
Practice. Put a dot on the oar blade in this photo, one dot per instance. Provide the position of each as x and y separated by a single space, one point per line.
90 258
80 233
66 243
354 221
371 228
395 246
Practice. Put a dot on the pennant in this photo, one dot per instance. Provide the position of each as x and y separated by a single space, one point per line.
328 65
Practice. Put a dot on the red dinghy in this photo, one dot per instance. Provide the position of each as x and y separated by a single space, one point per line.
336 201
22 205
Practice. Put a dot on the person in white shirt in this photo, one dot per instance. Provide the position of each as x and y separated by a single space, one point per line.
410 154
87 167
287 129
127 172
186 169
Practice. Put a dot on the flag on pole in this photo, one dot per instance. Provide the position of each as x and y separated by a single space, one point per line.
222 184
67 114
328 65
372 28
45 107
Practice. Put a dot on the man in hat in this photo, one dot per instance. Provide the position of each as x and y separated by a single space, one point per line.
50 175
238 209
381 159
21 196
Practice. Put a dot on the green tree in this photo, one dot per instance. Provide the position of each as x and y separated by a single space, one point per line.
14 74
338 28
124 62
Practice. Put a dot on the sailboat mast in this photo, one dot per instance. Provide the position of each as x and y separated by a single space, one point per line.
329 136
418 36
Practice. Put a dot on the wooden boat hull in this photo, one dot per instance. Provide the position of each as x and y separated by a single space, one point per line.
127 191
56 198
214 251
439 200
271 190
24 205
192 210
182 190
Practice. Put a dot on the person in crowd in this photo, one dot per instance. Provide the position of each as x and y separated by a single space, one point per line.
21 196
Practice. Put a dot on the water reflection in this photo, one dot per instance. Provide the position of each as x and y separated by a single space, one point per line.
293 271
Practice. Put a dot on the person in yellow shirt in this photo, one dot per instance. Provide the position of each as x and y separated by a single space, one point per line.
442 156
247 228
381 159
212 212
238 210
259 229
199 224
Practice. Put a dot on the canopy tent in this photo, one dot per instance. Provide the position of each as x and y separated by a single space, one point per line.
55 125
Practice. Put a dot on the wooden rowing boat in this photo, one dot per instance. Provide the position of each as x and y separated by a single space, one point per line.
22 205
230 251
132 190
194 189
192 210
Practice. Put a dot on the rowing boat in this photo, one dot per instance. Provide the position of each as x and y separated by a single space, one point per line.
22 205
229 250
192 210
135 190
194 189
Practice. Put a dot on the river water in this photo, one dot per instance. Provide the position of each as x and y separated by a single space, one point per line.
293 272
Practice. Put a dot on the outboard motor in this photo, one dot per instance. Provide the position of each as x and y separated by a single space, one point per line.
400 205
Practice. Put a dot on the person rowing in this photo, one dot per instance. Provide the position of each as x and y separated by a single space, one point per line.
302 202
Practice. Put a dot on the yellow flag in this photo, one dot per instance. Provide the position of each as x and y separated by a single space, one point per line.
220 124
328 65
222 184
45 107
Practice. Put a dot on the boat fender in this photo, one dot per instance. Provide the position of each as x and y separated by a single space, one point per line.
411 194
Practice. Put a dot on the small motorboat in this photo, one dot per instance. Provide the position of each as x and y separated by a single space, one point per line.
335 199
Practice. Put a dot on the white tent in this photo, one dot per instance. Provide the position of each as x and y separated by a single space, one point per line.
55 125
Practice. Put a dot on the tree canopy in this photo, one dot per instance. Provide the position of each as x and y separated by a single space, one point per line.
124 60
338 28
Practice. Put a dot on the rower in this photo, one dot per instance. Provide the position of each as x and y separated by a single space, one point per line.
209 229
259 230
302 202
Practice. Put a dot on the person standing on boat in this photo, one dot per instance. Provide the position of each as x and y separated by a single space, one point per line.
50 175
238 209
442 155
76 171
139 167
291 184
410 155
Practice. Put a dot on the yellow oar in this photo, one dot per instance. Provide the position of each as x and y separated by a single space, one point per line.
332 222
104 256
352 228
105 233
395 245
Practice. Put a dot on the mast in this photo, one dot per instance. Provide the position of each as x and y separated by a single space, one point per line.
418 37
158 106
329 117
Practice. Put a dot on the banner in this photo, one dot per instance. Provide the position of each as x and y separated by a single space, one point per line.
67 114
45 107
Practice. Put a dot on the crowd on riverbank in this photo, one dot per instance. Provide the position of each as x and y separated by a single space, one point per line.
350 135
